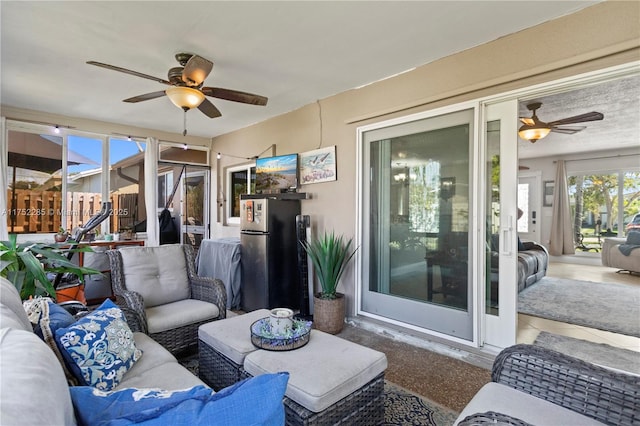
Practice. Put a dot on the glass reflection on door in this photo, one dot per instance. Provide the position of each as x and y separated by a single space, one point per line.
417 241
428 218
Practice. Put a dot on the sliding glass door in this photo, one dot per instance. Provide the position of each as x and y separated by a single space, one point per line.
416 240
501 254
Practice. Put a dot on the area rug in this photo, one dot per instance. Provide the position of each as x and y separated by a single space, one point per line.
595 353
605 306
401 407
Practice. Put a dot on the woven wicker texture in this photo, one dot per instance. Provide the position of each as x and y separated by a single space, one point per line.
491 418
365 406
206 289
607 396
217 370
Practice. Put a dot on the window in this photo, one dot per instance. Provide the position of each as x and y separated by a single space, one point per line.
241 180
165 187
34 183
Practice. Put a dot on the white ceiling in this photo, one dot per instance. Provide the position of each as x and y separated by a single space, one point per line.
292 52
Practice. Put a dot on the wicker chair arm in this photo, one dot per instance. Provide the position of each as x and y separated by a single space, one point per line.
605 395
135 321
210 290
133 301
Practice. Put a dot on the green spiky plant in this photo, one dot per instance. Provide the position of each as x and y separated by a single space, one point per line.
330 255
26 265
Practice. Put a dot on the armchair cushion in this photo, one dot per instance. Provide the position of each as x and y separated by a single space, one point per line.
99 348
159 274
178 314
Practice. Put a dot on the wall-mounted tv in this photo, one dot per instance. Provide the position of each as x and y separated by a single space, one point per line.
277 174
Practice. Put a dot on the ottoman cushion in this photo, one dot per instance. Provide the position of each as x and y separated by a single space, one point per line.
321 373
232 336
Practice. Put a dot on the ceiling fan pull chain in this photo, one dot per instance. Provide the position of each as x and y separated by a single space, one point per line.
184 125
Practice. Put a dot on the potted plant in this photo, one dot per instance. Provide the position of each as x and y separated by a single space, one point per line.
61 235
330 255
26 265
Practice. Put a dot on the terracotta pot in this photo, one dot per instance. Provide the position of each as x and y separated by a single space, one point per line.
328 314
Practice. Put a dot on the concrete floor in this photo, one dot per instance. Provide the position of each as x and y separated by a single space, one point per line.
452 382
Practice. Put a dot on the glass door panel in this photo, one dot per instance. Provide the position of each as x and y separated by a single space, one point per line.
501 168
194 206
417 239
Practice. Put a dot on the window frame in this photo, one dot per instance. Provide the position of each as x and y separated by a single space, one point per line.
230 219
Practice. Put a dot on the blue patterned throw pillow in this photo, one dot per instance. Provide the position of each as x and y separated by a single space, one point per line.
253 401
99 348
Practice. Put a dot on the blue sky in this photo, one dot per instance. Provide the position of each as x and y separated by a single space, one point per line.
92 149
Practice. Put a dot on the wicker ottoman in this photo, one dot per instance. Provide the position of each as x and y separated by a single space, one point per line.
331 381
222 347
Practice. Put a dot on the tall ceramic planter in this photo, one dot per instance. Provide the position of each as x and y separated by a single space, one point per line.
328 314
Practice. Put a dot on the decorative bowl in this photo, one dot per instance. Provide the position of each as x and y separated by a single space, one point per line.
263 337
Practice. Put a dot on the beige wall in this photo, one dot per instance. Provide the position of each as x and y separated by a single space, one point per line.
603 35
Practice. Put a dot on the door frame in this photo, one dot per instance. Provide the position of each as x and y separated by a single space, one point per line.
521 94
475 256
536 176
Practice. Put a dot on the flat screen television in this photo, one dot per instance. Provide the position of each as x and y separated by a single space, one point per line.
277 174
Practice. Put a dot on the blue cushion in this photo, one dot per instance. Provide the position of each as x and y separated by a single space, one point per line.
99 348
254 401
58 318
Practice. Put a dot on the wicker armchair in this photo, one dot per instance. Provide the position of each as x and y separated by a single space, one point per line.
604 395
162 294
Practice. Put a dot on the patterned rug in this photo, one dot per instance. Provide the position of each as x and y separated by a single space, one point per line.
402 407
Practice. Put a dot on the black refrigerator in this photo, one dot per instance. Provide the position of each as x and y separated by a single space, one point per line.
269 253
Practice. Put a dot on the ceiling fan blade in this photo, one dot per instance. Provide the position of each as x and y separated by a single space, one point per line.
589 116
209 109
196 70
126 71
527 121
568 130
145 97
235 96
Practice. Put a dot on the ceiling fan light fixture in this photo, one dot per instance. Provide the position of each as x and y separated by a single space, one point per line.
185 98
533 133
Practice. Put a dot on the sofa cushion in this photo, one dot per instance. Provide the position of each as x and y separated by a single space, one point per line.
506 400
159 274
48 317
255 401
33 387
99 348
12 313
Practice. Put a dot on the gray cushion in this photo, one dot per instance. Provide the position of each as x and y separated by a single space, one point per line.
232 336
167 376
12 313
177 314
323 371
33 387
159 274
503 399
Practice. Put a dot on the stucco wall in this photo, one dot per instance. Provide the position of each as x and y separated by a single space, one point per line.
604 35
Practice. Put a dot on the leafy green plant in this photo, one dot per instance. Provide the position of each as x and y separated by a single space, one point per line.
329 254
26 265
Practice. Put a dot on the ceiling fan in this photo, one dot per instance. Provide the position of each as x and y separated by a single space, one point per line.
534 129
186 91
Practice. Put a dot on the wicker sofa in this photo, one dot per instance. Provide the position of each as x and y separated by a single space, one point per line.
532 385
30 371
